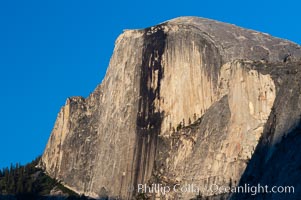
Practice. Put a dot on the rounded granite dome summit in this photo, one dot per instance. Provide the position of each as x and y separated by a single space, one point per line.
240 43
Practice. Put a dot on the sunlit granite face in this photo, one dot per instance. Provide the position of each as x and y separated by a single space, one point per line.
183 102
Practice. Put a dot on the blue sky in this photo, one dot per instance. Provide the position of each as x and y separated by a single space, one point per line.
50 50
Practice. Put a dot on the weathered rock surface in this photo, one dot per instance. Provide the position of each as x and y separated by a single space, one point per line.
277 159
183 102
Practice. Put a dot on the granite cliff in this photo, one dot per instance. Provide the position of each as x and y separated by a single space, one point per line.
186 101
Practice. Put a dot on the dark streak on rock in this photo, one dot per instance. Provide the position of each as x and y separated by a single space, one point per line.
149 118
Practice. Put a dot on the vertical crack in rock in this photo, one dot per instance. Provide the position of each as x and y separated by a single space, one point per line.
149 117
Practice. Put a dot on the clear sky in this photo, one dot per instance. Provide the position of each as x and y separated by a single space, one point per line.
53 49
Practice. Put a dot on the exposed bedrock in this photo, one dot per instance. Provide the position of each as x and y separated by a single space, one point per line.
183 102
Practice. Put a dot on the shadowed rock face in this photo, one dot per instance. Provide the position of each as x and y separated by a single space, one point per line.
183 102
276 160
